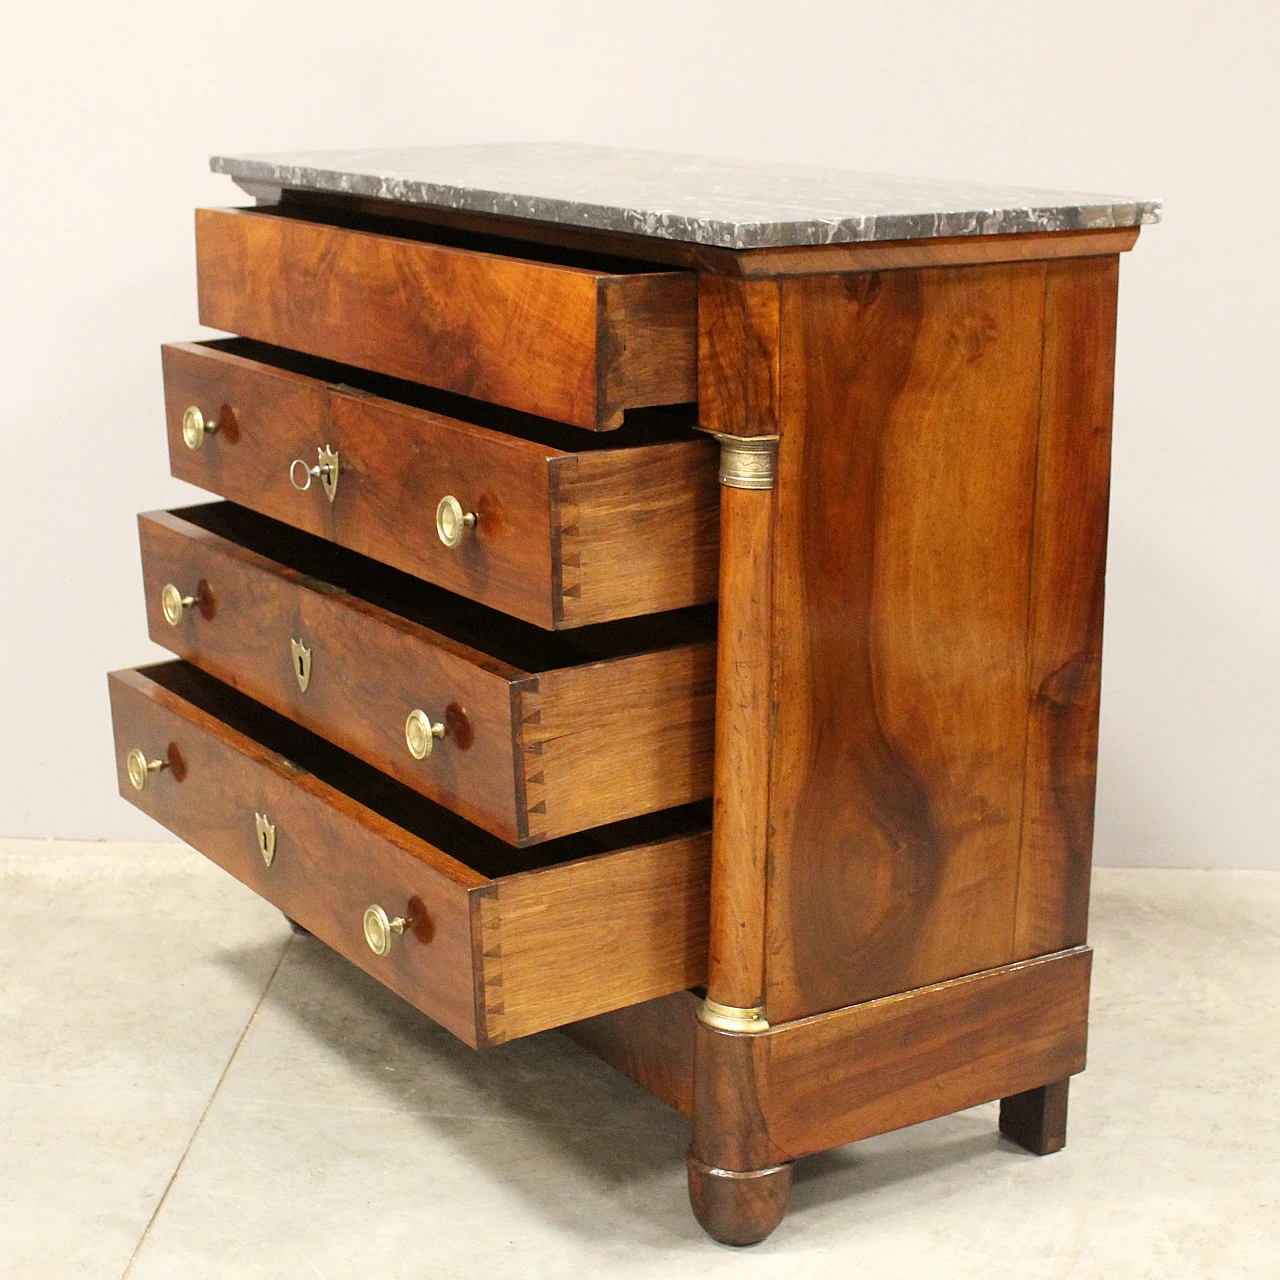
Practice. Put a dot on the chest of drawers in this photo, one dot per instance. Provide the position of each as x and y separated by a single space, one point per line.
659 600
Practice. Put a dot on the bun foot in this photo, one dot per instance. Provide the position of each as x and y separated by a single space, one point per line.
297 928
738 1208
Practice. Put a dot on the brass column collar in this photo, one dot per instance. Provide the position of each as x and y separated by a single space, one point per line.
746 462
728 1017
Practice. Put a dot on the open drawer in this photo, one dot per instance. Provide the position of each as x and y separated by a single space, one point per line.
491 942
575 337
536 734
567 528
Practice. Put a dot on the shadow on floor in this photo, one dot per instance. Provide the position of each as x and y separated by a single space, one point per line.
565 1112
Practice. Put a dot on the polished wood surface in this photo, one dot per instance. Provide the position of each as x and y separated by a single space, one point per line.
739 358
532 749
334 857
740 831
516 949
566 342
570 531
633 531
549 938
652 1043
738 1208
630 735
937 251
906 491
1068 580
911 1057
1037 1119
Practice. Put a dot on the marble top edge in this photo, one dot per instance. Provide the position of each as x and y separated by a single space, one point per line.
718 203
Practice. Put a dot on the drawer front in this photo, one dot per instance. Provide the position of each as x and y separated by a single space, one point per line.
526 757
576 345
561 538
332 857
489 958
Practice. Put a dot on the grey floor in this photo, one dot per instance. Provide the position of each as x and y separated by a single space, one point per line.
188 1091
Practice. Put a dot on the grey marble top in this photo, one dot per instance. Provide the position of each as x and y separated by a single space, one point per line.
732 204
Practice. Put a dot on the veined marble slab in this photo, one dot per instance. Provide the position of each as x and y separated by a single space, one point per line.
731 204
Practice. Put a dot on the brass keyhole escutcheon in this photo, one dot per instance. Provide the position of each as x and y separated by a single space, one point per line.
380 930
420 734
195 426
174 603
301 656
452 523
266 832
139 768
327 469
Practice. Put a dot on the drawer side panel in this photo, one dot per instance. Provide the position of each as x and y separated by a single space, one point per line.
568 942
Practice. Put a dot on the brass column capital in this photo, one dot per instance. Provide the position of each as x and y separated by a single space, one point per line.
746 462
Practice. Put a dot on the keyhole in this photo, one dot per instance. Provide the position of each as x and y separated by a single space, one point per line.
301 672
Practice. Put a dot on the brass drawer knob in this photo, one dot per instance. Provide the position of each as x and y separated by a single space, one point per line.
380 931
452 523
195 426
326 471
420 734
140 768
173 602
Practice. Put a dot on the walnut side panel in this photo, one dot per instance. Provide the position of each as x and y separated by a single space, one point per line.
592 936
614 739
844 1076
906 487
637 530
1068 583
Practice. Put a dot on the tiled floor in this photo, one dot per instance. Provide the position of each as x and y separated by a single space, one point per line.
187 1091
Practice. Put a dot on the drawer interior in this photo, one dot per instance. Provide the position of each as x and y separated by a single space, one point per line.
519 644
640 426
477 849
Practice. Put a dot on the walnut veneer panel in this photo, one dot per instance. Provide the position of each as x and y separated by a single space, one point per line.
906 492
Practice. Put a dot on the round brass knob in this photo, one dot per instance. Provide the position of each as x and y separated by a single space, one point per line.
379 930
452 523
140 768
173 602
195 426
420 734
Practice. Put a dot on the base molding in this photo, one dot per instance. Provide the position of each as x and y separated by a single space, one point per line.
870 1068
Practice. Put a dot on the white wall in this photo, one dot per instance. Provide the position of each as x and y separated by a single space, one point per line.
111 112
